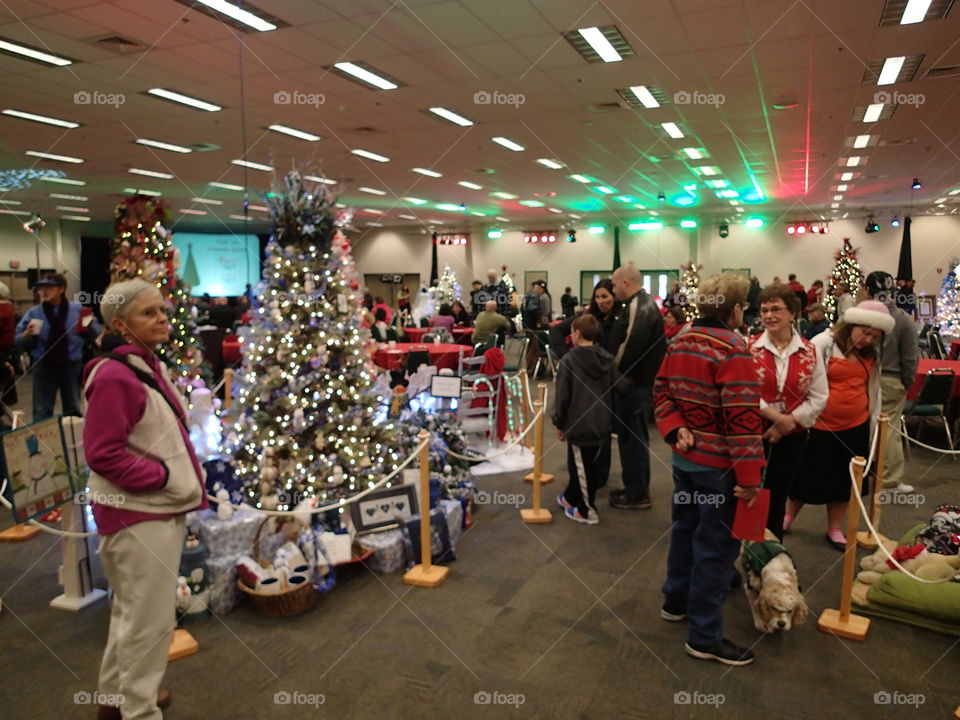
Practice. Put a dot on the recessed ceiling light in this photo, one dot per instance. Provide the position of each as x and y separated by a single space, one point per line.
191 211
470 185
371 155
915 11
251 165
853 161
428 173
365 75
184 99
141 191
708 170
293 132
450 207
225 186
842 188
872 113
372 211
555 210
861 141
372 191
51 156
415 201
31 53
72 208
531 203
151 173
246 218
478 213
374 224
504 195
838 197
164 146
644 96
954 192
835 205
407 217
601 46
672 129
718 183
552 164
62 180
41 118
502 219
581 178
235 13
451 116
846 176
4 211
78 198
78 218
207 201
693 153
10 202
508 144
603 189
575 217
259 208
318 179
891 69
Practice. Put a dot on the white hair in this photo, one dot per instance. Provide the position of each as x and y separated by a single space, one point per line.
119 298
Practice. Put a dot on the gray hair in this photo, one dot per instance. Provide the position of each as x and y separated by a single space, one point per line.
119 298
4 292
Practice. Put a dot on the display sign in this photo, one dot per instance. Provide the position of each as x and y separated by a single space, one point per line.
35 463
445 386
391 279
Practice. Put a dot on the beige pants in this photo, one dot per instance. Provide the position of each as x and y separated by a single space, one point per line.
892 396
142 563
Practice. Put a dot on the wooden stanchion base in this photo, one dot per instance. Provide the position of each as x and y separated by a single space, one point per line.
956 713
182 645
19 533
855 628
429 577
865 540
545 478
533 516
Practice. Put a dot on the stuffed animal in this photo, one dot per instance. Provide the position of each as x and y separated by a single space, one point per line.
915 559
224 509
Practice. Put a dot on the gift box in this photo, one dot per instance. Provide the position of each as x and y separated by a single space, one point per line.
389 554
222 592
229 537
453 512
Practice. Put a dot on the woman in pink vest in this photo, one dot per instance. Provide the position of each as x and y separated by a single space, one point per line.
793 393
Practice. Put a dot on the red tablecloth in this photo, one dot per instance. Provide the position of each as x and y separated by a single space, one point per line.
927 364
461 334
442 356
954 350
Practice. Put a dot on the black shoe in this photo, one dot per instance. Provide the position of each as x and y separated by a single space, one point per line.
842 547
725 652
671 613
618 492
622 503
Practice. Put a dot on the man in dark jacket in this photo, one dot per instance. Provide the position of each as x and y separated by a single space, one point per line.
582 413
498 291
638 345
568 303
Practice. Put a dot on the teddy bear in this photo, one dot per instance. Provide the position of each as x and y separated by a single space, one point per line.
916 559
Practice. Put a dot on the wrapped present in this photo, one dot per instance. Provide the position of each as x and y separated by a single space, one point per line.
453 512
338 546
388 551
229 537
222 592
441 546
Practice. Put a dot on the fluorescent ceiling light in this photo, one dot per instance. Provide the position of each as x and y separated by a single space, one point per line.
374 224
449 207
718 183
451 116
555 210
842 188
872 112
846 176
41 118
372 211
184 99
51 156
78 198
575 217
693 153
915 11
625 198
644 96
708 170
648 225
508 144
71 208
835 205
891 69
415 201
141 191
10 202
954 192
428 173
293 132
251 165
502 219
33 53
470 185
601 46
247 218
4 211
63 181
150 173
581 178
163 145
207 201
78 218
371 155
861 141
531 203
604 190
838 197
365 75
504 195
318 179
407 217
191 211
225 186
853 161
477 213
259 208
672 130
552 164
244 16
372 191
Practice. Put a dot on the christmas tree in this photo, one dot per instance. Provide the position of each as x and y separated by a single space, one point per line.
845 271
308 420
689 288
948 303
448 289
143 247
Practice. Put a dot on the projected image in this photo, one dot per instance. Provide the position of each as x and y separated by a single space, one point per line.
221 265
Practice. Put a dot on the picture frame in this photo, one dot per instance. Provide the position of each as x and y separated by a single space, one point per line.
926 307
35 461
445 386
384 509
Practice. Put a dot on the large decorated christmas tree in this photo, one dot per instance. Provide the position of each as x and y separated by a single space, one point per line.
143 247
845 271
448 289
689 288
948 304
307 421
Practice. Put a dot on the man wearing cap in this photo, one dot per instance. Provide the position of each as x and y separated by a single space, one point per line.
54 332
899 357
817 321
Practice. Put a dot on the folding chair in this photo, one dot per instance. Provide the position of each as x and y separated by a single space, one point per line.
544 353
416 358
931 402
482 419
923 340
937 351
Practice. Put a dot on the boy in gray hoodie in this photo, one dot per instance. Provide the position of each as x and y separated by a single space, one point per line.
583 416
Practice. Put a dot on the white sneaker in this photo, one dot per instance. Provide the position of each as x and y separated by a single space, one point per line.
903 488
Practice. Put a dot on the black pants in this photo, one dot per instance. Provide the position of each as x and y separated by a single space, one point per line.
631 422
783 464
582 464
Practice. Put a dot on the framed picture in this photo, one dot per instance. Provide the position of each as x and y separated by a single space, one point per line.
34 460
384 509
926 307
743 272
445 386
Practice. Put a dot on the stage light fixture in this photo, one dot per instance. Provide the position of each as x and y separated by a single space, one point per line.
894 221
724 230
571 235
871 226
661 197
916 184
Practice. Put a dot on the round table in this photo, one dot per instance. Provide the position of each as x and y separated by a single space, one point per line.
444 355
461 334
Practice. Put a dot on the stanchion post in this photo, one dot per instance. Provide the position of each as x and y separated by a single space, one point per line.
841 622
537 514
525 402
227 388
865 539
426 574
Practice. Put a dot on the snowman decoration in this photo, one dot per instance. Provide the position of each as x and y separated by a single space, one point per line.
205 430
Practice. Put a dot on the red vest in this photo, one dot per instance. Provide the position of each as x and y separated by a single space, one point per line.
800 367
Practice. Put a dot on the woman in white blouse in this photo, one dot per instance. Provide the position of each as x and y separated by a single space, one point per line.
793 392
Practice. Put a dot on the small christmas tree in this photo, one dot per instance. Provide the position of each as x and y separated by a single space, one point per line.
948 303
689 288
308 420
448 289
846 271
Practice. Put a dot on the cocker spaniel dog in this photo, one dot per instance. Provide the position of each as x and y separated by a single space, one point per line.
771 584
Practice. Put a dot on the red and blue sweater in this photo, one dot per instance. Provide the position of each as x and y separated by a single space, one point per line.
709 385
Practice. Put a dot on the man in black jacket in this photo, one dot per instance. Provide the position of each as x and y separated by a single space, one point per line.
638 345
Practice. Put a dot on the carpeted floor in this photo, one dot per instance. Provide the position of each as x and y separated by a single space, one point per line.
545 621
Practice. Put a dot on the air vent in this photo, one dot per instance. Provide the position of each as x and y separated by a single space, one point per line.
903 141
612 35
943 71
118 44
362 129
483 171
605 107
893 11
871 73
203 147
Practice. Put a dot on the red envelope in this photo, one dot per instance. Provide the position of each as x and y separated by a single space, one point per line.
749 522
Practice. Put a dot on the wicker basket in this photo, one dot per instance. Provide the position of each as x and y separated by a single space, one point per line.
284 604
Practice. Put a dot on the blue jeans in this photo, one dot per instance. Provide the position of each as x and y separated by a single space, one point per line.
631 421
48 380
700 561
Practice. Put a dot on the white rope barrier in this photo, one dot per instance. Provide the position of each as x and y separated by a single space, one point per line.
903 432
46 528
507 447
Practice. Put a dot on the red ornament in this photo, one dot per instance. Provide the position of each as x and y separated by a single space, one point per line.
354 285
345 246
